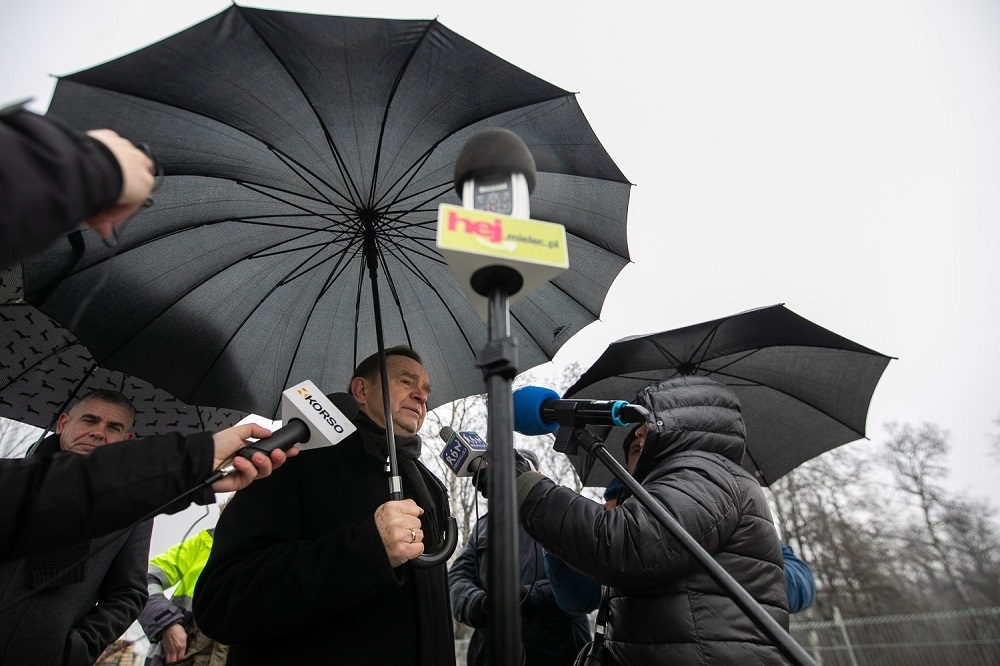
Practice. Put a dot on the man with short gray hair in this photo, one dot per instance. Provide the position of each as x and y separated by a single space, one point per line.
66 606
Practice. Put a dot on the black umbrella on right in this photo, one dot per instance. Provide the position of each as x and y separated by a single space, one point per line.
804 389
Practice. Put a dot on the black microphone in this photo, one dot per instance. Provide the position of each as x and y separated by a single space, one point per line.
539 411
496 172
463 451
310 419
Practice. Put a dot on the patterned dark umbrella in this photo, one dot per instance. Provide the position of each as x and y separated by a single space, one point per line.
804 389
300 152
43 368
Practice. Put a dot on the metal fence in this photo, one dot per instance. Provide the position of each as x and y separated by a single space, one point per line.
967 638
947 638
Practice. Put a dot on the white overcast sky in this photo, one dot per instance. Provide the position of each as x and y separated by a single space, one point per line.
840 158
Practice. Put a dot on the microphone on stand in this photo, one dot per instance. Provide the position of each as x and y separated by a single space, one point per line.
539 411
499 254
495 172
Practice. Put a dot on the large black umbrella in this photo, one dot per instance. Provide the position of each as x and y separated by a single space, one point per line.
804 389
300 151
43 369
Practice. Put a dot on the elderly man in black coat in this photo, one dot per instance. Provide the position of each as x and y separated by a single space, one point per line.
664 608
313 567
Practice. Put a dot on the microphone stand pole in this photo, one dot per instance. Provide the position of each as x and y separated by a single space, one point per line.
767 624
498 361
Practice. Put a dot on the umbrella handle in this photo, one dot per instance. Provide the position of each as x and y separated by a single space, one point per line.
428 560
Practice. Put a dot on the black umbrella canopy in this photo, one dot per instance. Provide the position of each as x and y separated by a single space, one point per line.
44 369
804 389
290 143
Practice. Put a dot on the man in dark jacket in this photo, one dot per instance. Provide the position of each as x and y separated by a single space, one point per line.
550 636
312 567
66 606
664 608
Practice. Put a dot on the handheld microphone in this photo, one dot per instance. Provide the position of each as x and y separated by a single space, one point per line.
539 411
310 419
463 451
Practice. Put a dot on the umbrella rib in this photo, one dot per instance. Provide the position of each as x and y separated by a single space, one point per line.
410 173
337 270
570 297
341 167
349 216
420 246
434 192
395 294
184 294
760 470
201 419
326 131
303 271
259 222
420 161
331 278
346 212
414 168
385 112
249 314
255 220
287 159
407 261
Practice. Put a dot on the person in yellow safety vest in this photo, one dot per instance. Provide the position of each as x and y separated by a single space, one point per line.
169 623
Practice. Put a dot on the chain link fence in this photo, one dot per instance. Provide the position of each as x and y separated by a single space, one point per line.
947 638
960 638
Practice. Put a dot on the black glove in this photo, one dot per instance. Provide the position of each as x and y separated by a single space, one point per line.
521 465
479 611
532 599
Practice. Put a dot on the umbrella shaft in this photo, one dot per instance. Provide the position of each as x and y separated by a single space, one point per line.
371 258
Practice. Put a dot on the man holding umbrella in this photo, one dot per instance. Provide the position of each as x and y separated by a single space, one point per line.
314 567
664 607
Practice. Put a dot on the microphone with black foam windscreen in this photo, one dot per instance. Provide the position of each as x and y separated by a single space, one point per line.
463 451
495 172
539 411
310 420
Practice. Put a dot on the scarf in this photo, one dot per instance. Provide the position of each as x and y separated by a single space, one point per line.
418 482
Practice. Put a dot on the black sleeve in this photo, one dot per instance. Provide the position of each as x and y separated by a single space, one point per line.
51 179
626 546
464 584
61 499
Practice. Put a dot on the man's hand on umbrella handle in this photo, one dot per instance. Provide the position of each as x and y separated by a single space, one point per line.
398 524
137 181
228 442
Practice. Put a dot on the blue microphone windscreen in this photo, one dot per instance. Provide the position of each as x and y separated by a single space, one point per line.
528 410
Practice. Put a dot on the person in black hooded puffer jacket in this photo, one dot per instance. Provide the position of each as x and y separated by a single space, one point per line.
664 608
